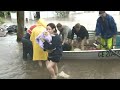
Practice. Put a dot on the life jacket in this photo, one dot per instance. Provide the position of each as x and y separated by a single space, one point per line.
30 29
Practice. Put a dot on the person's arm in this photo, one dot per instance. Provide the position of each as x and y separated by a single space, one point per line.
114 28
87 36
97 30
114 39
50 46
65 33
72 36
69 36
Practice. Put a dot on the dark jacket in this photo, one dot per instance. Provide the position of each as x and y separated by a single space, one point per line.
82 33
55 46
27 36
26 41
107 28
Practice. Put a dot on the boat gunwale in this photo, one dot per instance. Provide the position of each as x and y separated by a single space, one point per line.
89 51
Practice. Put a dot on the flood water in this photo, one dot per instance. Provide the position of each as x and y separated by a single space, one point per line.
12 66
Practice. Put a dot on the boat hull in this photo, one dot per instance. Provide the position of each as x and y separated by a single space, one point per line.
90 54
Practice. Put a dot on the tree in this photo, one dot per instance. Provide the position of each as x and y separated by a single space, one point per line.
20 24
62 14
4 14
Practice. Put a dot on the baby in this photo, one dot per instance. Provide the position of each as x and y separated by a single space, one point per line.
42 37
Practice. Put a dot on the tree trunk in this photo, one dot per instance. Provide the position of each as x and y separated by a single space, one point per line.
20 24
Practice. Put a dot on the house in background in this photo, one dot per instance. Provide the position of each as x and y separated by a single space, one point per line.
32 15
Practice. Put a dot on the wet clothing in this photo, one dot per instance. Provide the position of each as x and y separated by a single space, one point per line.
27 46
81 34
107 28
55 48
107 42
38 52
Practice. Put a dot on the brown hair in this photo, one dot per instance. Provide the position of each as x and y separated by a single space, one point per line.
77 25
52 25
101 12
59 25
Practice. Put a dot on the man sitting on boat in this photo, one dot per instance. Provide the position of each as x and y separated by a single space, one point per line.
82 35
106 30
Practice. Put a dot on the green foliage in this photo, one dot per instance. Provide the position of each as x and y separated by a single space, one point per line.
2 20
62 14
2 14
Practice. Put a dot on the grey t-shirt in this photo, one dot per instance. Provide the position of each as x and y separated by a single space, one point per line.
65 33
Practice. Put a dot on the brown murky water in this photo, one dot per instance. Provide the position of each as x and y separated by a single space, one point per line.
12 66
